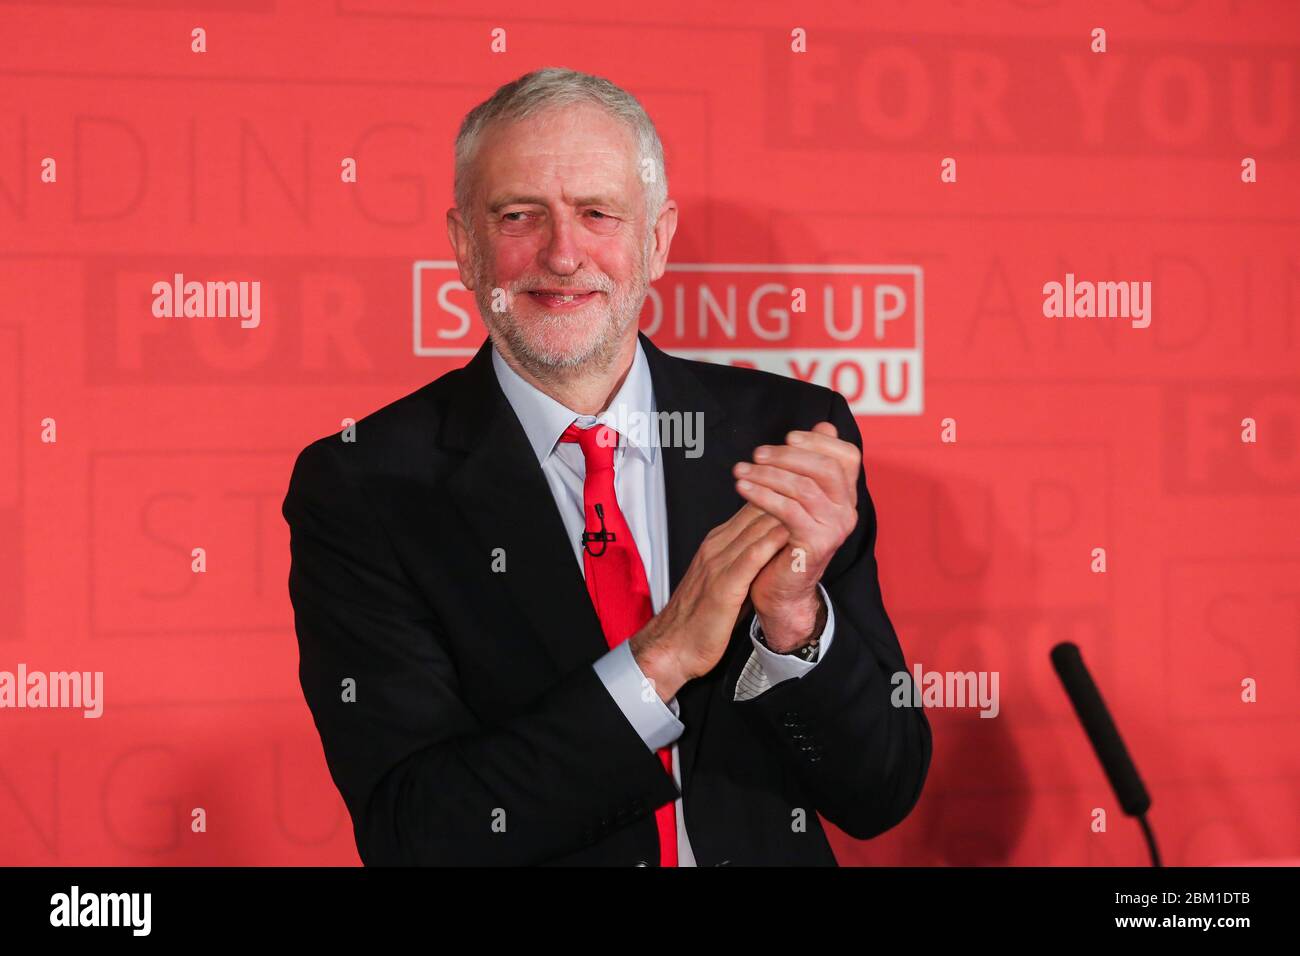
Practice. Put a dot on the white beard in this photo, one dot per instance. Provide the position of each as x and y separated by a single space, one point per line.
547 343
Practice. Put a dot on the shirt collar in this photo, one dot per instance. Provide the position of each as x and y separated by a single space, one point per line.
545 420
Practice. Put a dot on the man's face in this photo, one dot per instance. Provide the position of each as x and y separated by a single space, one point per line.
558 221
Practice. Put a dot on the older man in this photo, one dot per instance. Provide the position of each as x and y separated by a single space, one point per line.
531 634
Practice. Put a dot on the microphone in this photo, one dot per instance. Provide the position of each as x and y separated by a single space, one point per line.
1104 737
602 535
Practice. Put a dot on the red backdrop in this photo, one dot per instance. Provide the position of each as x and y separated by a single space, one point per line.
1072 434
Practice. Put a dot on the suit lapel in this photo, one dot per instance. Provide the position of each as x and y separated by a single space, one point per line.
691 497
502 493
699 494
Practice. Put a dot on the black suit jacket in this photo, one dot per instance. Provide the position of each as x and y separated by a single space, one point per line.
480 733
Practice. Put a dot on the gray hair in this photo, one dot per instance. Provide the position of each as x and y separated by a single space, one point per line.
556 86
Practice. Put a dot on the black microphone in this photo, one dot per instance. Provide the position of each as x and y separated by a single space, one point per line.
602 535
1104 737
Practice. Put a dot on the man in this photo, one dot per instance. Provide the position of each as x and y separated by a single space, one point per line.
529 634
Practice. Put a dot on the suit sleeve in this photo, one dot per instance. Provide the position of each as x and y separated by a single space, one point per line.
862 760
425 781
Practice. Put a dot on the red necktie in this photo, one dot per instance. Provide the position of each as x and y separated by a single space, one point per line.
616 579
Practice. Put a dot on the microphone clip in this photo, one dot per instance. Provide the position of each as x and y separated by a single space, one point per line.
602 535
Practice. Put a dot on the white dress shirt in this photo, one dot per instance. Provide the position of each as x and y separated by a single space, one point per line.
639 487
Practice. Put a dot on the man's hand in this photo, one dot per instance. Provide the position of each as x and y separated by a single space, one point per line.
689 635
810 484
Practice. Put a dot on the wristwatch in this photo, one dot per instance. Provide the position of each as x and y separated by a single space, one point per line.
806 653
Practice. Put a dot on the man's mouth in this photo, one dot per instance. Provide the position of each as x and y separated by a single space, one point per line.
557 299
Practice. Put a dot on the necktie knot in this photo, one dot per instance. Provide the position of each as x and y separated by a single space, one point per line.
597 444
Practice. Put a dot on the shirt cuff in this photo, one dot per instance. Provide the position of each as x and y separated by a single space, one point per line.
655 721
766 667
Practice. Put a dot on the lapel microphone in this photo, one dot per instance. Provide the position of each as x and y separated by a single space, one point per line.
602 535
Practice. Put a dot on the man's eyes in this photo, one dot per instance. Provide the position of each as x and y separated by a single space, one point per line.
590 212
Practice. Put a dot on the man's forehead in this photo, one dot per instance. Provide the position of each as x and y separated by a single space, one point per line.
591 147
529 194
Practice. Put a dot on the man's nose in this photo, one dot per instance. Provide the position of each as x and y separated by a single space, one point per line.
563 253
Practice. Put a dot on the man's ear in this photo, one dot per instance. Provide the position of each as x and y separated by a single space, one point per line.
459 236
665 227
